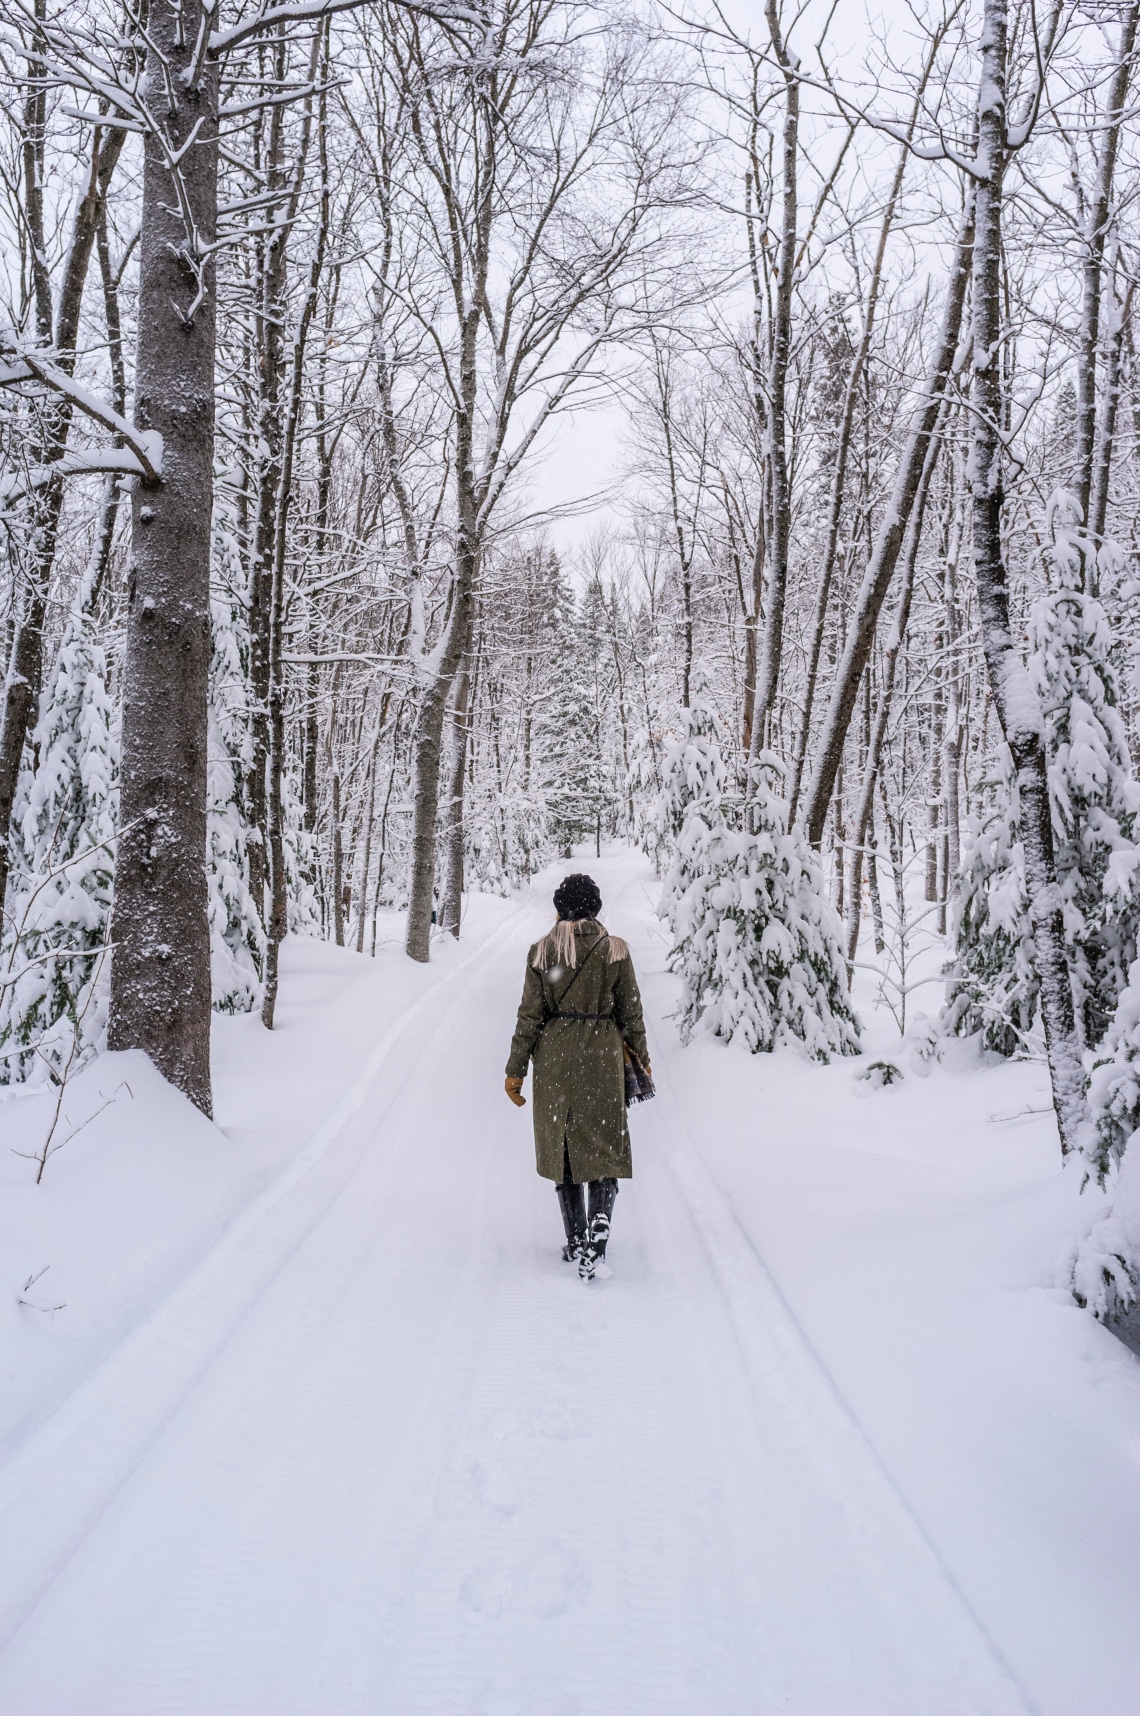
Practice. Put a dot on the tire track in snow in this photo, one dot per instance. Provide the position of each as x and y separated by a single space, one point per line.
54 1488
559 1555
333 1520
801 1402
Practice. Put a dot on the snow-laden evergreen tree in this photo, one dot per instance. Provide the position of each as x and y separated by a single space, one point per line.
693 770
508 838
594 675
693 776
644 787
1114 1084
1095 800
757 944
1095 807
64 823
304 908
993 987
237 939
567 738
1105 1268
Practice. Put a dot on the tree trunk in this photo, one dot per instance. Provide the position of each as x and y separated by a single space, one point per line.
160 971
270 322
338 863
751 622
278 926
1096 234
768 672
888 545
289 422
427 757
1014 698
109 509
952 746
1106 437
451 912
366 864
839 478
935 819
865 811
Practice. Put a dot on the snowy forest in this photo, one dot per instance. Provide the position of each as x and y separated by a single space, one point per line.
442 438
681 458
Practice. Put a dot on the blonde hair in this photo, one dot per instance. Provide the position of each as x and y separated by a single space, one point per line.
559 946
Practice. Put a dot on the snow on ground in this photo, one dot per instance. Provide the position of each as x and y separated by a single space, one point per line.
324 1426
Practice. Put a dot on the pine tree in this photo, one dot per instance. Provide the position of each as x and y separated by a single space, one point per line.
993 987
693 777
300 865
1114 1084
1095 806
757 944
693 772
65 821
567 736
1105 1268
644 786
237 938
1095 801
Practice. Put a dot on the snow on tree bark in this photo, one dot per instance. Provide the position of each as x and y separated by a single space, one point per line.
160 971
771 648
1015 700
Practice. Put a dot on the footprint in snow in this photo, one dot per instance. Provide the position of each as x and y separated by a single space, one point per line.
561 1423
471 1492
546 1585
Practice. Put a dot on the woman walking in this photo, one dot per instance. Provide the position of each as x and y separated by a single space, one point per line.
579 1020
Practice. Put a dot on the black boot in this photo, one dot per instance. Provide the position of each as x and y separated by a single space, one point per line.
572 1203
602 1195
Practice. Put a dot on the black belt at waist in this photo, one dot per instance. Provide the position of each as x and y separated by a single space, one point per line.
555 1016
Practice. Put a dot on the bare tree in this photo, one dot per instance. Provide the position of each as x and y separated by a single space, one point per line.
1014 698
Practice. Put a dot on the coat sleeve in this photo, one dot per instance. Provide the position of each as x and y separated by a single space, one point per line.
532 1017
627 1010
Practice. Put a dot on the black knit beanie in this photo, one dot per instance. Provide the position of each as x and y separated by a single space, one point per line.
577 897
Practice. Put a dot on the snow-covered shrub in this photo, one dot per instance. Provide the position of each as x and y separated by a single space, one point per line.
756 942
879 1074
1114 1084
63 825
1104 1270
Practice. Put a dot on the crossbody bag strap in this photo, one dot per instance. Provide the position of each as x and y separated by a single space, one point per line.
557 1013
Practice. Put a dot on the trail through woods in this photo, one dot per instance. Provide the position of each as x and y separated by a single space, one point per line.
379 1452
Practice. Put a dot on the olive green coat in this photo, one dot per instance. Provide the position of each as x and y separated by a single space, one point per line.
579 1077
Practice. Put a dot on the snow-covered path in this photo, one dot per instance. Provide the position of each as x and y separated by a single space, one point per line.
380 1453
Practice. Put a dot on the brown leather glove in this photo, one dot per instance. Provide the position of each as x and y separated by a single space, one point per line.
513 1088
